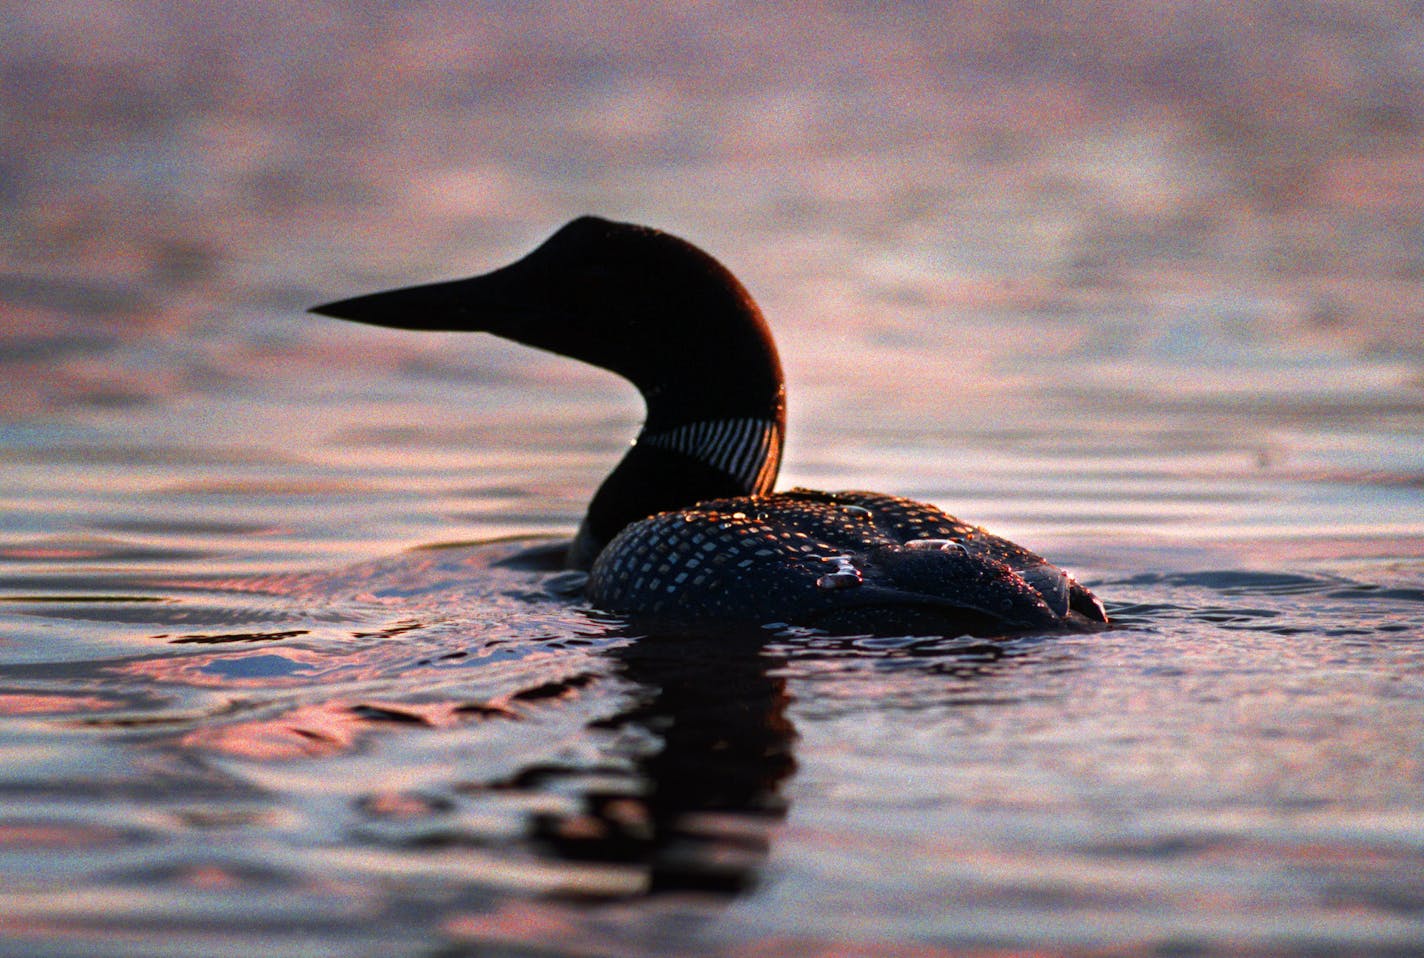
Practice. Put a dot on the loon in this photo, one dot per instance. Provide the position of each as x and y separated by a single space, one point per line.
686 531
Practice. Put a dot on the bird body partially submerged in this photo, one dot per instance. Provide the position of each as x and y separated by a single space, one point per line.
840 561
686 530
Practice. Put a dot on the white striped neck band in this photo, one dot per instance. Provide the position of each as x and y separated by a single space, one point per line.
747 449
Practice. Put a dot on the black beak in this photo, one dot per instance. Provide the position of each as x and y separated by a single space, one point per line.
492 302
436 306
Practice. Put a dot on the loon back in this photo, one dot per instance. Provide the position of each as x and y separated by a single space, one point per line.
844 561
686 528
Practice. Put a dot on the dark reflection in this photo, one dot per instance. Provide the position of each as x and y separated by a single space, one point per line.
698 814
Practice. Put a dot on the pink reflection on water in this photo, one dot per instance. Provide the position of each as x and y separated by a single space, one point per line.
304 732
15 836
266 667
332 727
20 703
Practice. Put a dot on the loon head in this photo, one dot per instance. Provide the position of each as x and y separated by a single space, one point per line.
657 311
648 306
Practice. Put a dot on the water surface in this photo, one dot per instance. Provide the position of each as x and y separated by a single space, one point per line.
285 669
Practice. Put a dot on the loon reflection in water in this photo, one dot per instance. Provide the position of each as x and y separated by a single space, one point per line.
686 531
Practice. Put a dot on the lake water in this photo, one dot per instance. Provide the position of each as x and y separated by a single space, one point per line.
278 674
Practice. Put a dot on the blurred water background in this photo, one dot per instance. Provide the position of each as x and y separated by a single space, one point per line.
1140 285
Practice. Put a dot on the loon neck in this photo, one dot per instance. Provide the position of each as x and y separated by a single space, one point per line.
708 370
686 454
